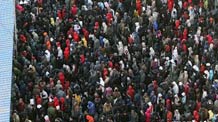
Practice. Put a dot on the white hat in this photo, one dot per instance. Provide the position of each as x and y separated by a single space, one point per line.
46 117
149 103
155 60
208 64
196 68
47 73
183 94
180 84
50 99
160 68
30 66
39 106
58 107
159 95
32 102
69 36
51 39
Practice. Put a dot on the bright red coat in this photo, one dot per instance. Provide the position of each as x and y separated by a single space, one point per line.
109 17
66 53
170 5
196 116
209 39
177 24
76 36
148 115
19 8
61 78
131 92
74 10
85 33
139 6
56 102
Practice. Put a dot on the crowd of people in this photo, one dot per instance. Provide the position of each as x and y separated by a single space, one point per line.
115 61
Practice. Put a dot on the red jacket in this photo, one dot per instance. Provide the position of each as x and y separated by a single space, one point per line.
59 13
130 40
89 118
170 5
185 34
184 48
76 36
62 103
96 26
169 116
131 92
38 100
61 78
66 53
70 32
85 33
105 73
185 5
68 43
196 116
186 89
139 6
109 16
23 38
168 104
19 8
177 24
74 10
56 102
209 39
82 59
110 64
148 115
202 68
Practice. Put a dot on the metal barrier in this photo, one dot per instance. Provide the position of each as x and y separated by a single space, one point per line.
7 19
